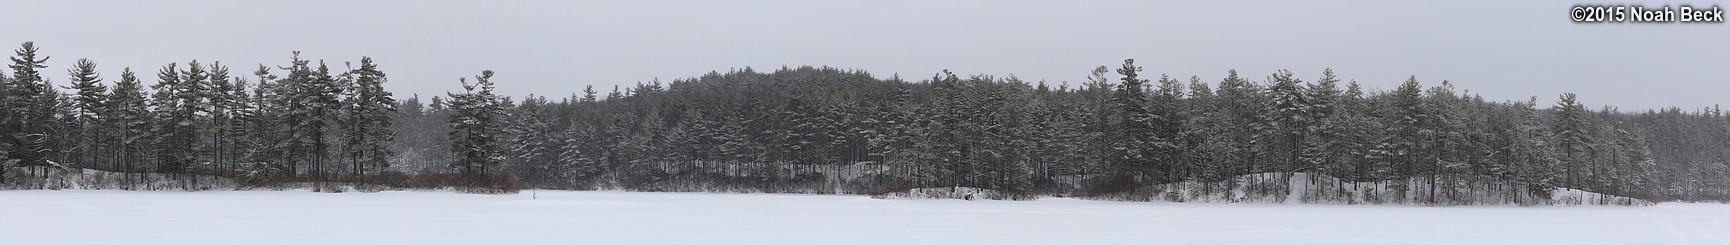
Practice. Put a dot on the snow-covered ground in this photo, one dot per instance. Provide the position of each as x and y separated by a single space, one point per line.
562 217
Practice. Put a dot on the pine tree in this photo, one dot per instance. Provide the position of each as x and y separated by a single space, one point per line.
1573 141
579 156
1639 166
295 113
319 96
474 126
1401 146
1533 148
1202 143
192 115
6 128
615 94
1135 149
840 134
1095 104
1166 107
1290 120
1047 125
59 136
220 107
1447 153
168 112
588 94
798 137
946 146
411 107
1241 107
1355 133
534 151
237 131
369 110
1008 133
132 118
1633 163
438 104
1323 142
269 138
89 110
27 127
311 97
734 145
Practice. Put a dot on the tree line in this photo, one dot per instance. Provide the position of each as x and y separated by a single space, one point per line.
828 130
300 122
1116 132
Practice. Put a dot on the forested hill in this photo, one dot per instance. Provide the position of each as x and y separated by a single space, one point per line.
1121 134
1119 129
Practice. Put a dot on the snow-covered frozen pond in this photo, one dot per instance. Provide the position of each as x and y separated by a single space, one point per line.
562 217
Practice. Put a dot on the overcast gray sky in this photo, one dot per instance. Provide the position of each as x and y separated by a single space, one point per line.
1504 50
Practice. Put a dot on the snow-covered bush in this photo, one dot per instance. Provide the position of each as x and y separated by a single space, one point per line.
51 178
259 172
1313 188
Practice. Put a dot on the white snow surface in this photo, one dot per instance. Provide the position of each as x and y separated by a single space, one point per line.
609 217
